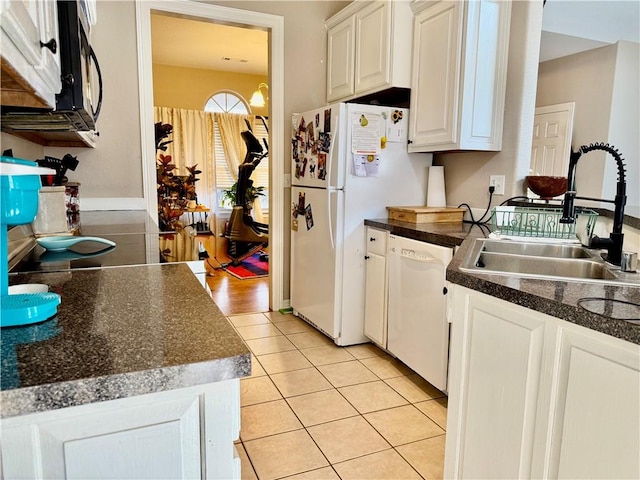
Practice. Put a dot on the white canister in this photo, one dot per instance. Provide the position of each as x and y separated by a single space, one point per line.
52 211
436 196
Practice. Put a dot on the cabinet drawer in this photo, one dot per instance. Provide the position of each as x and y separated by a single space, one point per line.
377 241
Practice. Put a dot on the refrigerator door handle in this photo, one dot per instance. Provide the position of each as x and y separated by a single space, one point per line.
333 178
330 216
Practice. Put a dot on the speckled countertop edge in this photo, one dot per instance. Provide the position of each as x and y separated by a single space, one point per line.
43 398
555 298
124 331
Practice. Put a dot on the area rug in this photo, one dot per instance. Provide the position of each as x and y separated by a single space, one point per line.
250 267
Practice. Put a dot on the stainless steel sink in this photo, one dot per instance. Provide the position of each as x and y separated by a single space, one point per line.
540 266
542 260
536 249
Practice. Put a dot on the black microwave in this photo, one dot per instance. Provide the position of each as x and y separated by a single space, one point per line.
80 99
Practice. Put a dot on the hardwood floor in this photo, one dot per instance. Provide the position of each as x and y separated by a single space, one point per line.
232 295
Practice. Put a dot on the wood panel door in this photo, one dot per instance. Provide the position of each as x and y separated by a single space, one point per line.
551 146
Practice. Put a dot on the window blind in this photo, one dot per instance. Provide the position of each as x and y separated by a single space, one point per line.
224 179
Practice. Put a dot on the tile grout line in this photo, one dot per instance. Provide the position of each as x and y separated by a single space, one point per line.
333 387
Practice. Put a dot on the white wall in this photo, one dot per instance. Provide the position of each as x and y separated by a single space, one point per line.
113 170
585 78
21 148
604 85
625 121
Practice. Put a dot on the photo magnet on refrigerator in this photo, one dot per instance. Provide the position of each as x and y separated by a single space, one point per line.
308 216
327 121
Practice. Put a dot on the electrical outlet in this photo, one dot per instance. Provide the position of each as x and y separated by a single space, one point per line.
497 182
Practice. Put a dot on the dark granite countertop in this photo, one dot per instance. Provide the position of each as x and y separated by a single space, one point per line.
555 298
119 332
445 234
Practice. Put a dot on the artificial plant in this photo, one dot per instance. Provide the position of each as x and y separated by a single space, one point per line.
174 191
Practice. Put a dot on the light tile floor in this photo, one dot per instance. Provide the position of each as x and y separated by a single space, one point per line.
313 410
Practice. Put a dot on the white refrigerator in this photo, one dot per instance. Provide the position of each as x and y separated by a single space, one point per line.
349 162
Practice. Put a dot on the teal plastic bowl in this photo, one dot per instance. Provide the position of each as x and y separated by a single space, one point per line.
19 200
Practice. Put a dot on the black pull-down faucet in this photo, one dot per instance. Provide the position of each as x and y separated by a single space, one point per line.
613 244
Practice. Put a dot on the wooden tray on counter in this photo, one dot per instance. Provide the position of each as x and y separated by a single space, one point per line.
421 214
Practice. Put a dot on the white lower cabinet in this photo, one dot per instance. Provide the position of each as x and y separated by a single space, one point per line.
533 396
183 433
594 416
375 306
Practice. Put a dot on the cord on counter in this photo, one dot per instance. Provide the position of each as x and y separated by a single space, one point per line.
481 221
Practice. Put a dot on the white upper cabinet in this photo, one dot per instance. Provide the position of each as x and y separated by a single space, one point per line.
459 75
368 49
30 58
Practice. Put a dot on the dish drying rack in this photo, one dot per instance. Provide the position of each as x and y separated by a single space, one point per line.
542 223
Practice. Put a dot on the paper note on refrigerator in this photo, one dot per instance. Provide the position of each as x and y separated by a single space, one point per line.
365 133
359 165
365 165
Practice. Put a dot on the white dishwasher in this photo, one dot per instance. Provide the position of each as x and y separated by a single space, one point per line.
418 331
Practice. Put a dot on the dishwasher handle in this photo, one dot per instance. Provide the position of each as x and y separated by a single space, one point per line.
416 256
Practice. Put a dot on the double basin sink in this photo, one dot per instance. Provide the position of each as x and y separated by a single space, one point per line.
550 261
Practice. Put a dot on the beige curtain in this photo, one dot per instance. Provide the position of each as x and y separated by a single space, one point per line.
192 144
231 125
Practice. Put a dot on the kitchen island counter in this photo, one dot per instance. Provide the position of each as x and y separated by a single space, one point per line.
119 332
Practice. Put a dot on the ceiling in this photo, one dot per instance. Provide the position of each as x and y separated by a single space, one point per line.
572 26
199 44
568 26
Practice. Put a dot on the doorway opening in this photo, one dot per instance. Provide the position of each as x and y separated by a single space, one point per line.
274 25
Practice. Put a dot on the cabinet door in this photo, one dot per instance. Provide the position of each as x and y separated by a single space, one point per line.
151 441
497 362
375 306
372 47
437 47
49 68
595 408
35 68
180 433
340 60
483 83
459 78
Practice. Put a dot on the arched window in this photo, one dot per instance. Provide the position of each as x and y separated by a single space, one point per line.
227 102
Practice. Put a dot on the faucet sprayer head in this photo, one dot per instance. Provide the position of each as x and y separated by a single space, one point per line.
614 153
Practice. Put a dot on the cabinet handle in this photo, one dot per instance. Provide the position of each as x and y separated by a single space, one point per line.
372 239
366 257
68 80
51 45
409 142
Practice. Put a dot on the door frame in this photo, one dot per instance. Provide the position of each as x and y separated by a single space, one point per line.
242 18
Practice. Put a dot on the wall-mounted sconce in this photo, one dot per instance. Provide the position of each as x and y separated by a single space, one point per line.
257 99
